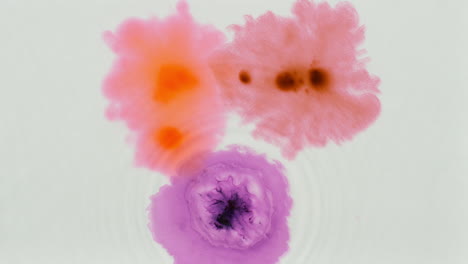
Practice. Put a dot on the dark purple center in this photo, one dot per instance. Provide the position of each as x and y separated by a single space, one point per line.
230 209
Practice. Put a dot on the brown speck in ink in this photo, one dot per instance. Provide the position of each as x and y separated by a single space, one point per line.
319 79
287 81
244 77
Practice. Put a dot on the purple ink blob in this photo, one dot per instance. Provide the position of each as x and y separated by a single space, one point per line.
233 209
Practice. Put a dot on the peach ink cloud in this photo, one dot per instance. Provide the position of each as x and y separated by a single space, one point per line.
302 80
161 86
232 210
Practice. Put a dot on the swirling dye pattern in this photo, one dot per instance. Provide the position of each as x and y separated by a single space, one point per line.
302 80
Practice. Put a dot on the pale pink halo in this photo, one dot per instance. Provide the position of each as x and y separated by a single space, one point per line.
302 80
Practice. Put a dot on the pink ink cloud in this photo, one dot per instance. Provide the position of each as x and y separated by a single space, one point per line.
302 80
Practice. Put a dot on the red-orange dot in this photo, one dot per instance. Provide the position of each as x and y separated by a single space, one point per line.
169 137
172 80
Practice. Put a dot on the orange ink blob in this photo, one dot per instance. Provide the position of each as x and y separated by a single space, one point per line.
169 137
173 80
161 86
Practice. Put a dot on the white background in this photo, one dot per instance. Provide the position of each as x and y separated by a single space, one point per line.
69 192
